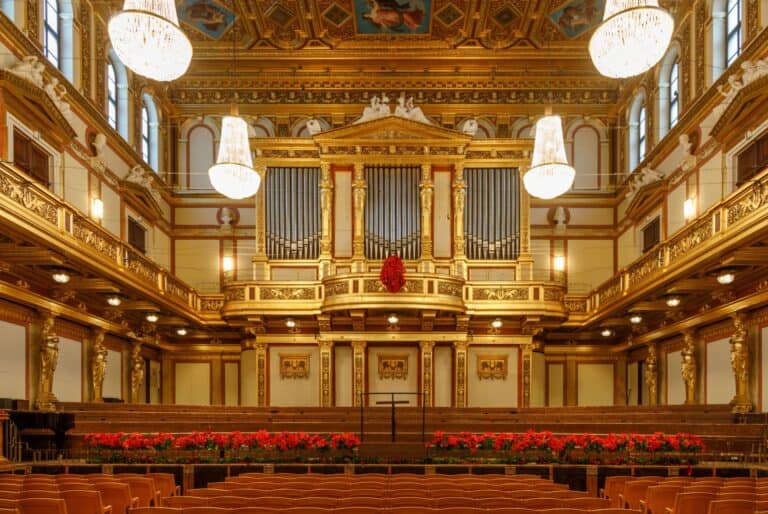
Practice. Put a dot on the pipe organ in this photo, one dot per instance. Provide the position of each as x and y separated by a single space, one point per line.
492 213
293 213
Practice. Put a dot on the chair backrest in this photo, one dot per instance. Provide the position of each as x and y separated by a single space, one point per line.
585 503
9 511
205 509
83 502
116 494
7 503
165 483
143 488
156 510
731 507
659 497
38 493
42 506
634 492
181 502
692 503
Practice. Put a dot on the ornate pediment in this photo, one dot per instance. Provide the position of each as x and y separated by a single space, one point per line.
393 130
745 104
646 188
140 192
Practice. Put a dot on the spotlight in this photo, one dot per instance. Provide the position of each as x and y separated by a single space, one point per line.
290 323
392 319
726 277
61 276
496 323
114 300
673 301
606 332
152 317
181 331
635 319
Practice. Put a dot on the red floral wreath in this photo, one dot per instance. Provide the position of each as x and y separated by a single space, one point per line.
393 274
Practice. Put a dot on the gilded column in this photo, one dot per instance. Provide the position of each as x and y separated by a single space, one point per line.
326 210
460 373
261 374
49 357
260 255
527 360
426 193
358 372
326 373
359 196
98 362
652 374
459 194
137 372
427 371
525 259
740 365
688 366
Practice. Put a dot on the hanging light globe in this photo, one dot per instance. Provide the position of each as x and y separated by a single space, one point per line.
632 38
233 174
147 38
549 175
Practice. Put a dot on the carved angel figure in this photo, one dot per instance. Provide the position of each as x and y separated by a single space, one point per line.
30 69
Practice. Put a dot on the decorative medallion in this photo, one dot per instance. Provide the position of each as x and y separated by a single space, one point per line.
576 17
207 16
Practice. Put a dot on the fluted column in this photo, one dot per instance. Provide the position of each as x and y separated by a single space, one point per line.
652 374
427 372
426 193
460 373
740 364
326 373
98 363
326 210
688 366
260 255
459 188
358 372
359 187
49 357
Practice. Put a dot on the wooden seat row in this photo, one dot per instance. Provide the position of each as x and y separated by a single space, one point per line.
209 509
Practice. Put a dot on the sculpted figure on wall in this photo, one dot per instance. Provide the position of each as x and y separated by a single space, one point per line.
740 365
49 357
688 366
137 372
30 69
651 374
98 364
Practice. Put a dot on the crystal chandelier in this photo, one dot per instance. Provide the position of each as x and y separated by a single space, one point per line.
147 39
233 174
632 38
549 175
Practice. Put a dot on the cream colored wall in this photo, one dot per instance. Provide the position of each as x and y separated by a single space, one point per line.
294 392
719 383
231 383
201 156
13 365
343 375
68 377
113 378
594 383
112 209
556 381
540 248
162 249
590 263
442 214
195 216
538 380
246 249
192 383
632 383
591 216
675 384
197 263
378 385
76 184
710 182
493 393
585 158
442 358
626 248
538 216
342 214
154 381
248 378
285 273
675 218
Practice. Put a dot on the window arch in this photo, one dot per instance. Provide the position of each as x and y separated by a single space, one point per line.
148 134
732 31
726 34
117 94
57 35
669 91
638 133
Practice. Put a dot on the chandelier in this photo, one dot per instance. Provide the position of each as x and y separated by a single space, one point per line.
549 175
632 38
147 39
233 174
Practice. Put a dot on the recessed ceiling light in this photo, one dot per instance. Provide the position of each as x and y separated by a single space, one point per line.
181 331
61 276
726 277
152 317
606 332
393 319
635 319
290 323
673 301
114 300
496 323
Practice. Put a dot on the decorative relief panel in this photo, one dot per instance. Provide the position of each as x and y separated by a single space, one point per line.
287 293
492 367
28 198
96 241
692 238
500 293
294 366
336 288
234 294
393 366
450 289
748 203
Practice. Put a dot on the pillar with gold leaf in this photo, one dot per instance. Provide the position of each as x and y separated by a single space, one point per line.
460 378
49 358
740 364
137 372
358 372
326 216
98 363
326 373
260 255
688 366
359 187
652 374
426 195
459 188
427 372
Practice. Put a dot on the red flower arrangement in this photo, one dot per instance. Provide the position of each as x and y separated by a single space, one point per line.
393 274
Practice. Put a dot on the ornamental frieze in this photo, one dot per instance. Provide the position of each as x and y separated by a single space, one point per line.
336 288
99 243
28 198
648 265
553 294
611 290
211 304
234 294
500 293
575 305
449 288
410 286
747 204
694 237
287 293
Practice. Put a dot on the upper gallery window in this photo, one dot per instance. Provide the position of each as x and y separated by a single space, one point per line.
149 136
637 131
732 31
674 94
51 32
111 95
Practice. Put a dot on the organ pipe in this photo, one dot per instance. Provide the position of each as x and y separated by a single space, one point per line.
492 213
293 213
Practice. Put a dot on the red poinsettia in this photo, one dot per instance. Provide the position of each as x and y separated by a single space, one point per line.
393 274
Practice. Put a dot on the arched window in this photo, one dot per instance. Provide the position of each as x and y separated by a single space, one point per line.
732 31
111 95
637 132
149 124
669 91
51 31
117 94
7 7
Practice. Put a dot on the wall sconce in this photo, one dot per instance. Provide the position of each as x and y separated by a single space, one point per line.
227 264
558 262
97 208
689 209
